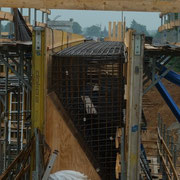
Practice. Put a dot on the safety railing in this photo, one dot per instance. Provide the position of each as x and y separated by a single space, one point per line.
167 152
37 152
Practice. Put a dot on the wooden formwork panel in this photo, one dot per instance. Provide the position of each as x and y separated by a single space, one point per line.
59 136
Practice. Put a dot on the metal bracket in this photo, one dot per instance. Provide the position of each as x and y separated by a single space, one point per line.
159 77
156 81
38 40
50 165
38 31
137 45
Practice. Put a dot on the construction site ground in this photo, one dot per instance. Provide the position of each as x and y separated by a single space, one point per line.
153 103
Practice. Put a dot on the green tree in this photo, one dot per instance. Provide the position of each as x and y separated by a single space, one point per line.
139 28
77 29
104 33
175 63
93 31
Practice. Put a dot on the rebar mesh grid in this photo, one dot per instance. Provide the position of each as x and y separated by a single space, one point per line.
91 90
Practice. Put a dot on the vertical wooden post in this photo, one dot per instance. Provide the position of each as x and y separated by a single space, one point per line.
124 29
171 148
163 151
175 155
38 87
135 65
38 80
167 142
159 141
109 31
119 31
114 31
123 168
164 137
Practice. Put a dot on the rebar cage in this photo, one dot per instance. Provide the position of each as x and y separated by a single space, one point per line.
91 89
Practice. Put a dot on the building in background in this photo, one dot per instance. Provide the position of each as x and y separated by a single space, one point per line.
61 25
170 27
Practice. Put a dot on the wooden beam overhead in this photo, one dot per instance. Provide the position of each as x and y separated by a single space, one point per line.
111 5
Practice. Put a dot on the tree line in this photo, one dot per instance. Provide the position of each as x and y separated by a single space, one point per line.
92 31
96 31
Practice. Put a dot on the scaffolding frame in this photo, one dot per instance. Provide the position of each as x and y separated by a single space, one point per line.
15 59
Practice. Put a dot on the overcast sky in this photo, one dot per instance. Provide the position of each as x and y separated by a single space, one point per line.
88 18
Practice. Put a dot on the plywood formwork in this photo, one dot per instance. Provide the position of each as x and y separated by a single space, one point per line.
115 5
57 40
45 43
59 136
118 30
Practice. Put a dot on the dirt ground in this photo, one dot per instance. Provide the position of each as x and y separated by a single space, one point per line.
153 103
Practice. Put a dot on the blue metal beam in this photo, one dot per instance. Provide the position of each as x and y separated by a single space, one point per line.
168 99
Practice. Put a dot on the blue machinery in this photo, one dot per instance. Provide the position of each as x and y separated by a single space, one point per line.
156 80
174 78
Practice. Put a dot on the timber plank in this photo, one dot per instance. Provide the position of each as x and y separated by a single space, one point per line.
115 5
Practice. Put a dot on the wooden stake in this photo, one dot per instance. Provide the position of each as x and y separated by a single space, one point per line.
135 104
114 31
109 31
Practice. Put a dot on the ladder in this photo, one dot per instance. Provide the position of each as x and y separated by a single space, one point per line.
13 121
145 168
144 163
50 165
